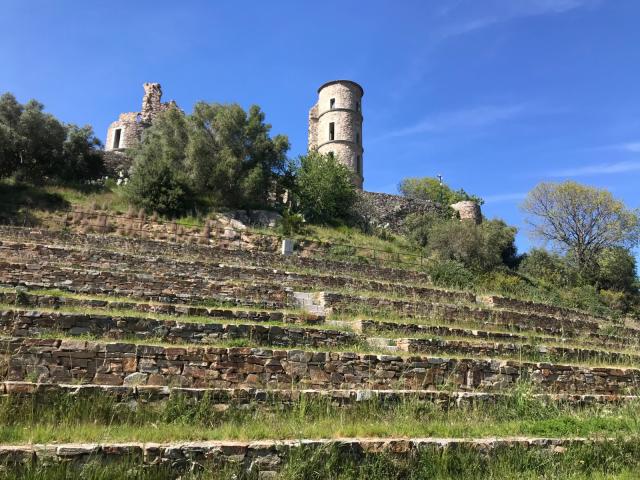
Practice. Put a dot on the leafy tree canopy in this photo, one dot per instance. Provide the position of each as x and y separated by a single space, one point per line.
580 220
37 147
219 154
428 188
324 188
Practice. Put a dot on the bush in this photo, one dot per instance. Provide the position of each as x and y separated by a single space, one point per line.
480 248
505 283
616 270
450 274
157 186
548 267
324 189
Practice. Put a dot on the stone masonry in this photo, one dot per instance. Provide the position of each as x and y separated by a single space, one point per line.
127 130
335 124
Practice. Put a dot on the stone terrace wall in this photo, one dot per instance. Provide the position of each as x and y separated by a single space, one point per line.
68 361
525 305
212 253
437 346
21 323
262 458
25 298
163 288
341 303
116 261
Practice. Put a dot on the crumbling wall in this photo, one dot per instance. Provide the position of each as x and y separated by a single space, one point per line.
390 212
131 125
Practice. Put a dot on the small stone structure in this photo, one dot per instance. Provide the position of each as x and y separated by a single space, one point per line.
468 210
335 124
127 130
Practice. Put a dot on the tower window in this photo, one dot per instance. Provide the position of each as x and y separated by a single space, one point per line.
332 131
358 137
332 103
358 106
116 138
359 166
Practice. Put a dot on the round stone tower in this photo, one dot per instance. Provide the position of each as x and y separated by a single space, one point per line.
335 124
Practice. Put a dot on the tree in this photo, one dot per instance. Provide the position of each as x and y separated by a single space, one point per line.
231 156
158 180
549 267
220 154
37 147
81 159
324 188
580 220
431 189
617 270
41 138
481 248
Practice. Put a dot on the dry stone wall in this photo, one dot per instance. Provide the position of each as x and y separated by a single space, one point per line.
22 323
262 459
68 361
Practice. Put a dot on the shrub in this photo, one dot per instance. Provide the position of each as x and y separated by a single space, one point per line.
548 267
157 186
480 248
450 274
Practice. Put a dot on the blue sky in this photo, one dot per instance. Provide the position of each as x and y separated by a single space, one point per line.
495 95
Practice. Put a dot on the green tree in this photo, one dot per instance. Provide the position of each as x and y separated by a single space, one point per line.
580 220
158 179
617 270
428 188
10 111
37 147
549 267
231 156
81 159
41 139
324 188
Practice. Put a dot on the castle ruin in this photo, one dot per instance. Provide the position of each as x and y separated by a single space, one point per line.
126 132
335 124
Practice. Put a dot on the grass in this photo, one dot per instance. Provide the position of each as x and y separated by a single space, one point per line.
102 418
612 461
616 460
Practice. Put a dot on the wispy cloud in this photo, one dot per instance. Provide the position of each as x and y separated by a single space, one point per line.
471 118
599 169
633 147
504 197
501 11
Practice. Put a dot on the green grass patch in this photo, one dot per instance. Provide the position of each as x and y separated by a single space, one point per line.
102 418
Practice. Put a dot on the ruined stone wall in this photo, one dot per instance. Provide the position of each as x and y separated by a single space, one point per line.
132 124
69 361
390 212
130 127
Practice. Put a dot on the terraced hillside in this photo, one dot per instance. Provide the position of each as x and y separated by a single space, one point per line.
137 358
